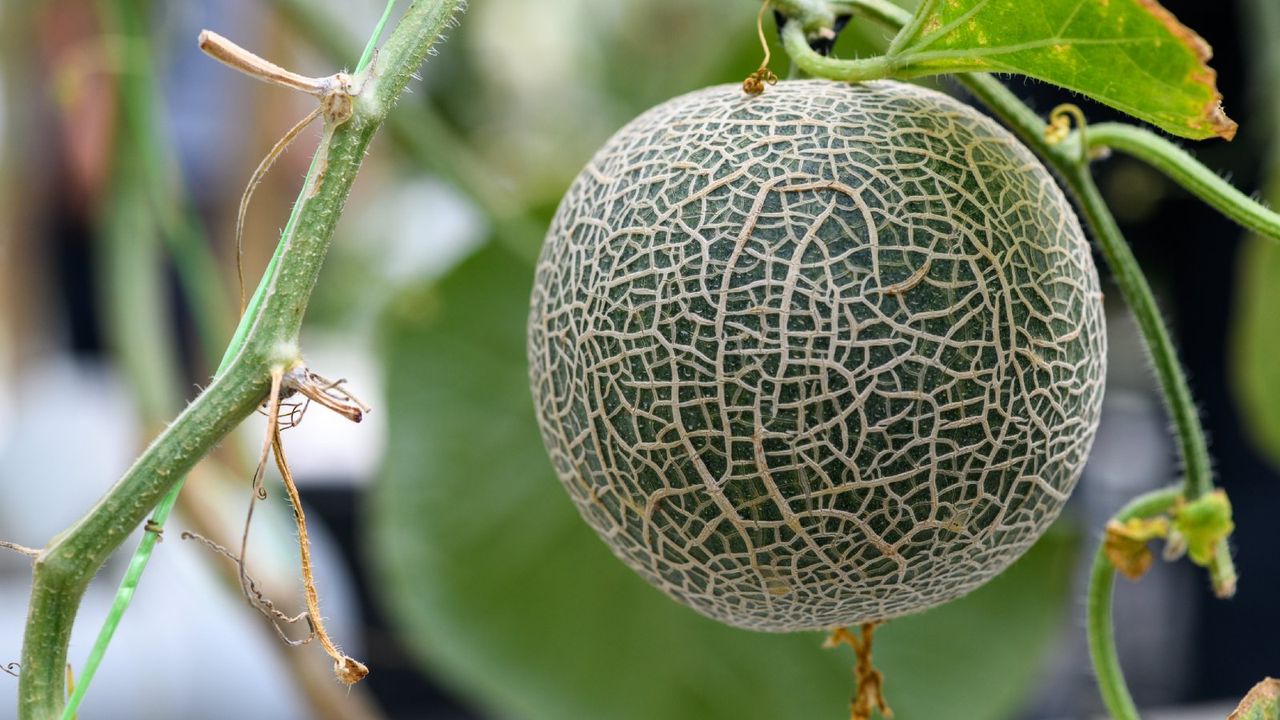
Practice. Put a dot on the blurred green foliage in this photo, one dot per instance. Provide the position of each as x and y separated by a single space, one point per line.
1256 321
1257 342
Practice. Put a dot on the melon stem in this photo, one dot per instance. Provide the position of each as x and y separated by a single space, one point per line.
869 695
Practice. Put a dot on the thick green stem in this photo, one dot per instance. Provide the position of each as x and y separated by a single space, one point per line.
1128 276
269 339
1181 167
893 63
417 129
134 311
1100 632
67 564
796 42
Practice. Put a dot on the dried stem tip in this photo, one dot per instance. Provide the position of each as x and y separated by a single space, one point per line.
350 670
334 91
232 55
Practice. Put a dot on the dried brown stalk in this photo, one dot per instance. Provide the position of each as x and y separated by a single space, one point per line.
870 692
346 668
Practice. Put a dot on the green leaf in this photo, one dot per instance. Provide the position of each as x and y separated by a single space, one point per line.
497 584
1130 54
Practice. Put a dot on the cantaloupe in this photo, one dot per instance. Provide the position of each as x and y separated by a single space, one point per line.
828 355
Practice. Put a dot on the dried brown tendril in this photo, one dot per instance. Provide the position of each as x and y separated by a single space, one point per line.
756 81
331 394
256 597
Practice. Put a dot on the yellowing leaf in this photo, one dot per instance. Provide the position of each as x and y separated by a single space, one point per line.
1133 55
1125 544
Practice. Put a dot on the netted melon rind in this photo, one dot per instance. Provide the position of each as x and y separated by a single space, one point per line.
828 355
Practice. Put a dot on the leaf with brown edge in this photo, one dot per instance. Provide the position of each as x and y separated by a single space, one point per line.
1133 55
1262 702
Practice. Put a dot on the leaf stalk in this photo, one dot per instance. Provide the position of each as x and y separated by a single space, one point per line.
1185 170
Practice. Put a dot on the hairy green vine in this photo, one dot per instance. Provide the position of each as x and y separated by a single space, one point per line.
266 341
1185 170
1100 631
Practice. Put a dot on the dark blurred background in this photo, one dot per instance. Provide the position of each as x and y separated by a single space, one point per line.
449 558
